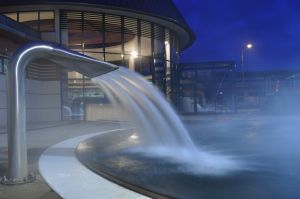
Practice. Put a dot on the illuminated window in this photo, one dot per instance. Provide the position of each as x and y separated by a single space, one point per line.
47 23
30 19
13 16
42 21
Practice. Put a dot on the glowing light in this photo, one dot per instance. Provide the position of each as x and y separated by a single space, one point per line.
134 137
134 54
166 42
249 46
122 55
30 49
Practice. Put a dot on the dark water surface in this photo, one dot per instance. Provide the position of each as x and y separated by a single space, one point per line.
269 147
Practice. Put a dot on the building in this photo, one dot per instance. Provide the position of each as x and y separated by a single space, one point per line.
146 36
268 91
207 87
217 87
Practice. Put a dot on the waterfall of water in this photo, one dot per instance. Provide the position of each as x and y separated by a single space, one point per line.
152 115
157 123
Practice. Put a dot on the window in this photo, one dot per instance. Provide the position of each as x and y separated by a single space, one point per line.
3 64
13 16
30 19
47 23
146 48
42 21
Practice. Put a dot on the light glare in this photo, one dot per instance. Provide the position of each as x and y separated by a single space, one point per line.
134 54
249 46
133 136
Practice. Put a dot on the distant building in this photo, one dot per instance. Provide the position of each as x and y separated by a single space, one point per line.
258 88
216 86
206 87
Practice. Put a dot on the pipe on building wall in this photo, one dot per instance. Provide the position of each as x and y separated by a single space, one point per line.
16 121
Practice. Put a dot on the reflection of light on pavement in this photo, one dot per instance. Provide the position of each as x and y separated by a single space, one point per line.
134 136
85 146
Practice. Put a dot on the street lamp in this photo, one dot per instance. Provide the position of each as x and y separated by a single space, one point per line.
248 46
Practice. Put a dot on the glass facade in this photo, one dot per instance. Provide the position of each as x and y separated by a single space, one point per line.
42 21
145 47
207 87
3 63
139 45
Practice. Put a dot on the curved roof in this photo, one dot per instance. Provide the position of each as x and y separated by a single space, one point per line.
164 9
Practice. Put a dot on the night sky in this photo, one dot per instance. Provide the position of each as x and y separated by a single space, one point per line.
224 26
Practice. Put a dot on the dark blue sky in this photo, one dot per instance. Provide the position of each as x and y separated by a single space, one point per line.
223 26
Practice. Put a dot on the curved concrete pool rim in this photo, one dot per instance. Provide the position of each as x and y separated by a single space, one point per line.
63 172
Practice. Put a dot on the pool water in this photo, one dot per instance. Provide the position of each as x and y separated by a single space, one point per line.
268 147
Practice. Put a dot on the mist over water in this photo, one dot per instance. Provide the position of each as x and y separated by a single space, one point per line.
158 125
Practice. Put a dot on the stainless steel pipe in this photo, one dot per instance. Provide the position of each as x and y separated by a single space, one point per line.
16 121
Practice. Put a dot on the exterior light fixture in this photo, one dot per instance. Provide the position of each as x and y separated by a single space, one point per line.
249 46
166 42
134 54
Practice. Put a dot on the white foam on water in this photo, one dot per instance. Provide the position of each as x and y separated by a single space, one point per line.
197 162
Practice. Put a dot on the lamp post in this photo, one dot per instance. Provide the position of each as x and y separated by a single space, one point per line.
248 46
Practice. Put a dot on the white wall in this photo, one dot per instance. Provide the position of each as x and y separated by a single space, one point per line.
42 98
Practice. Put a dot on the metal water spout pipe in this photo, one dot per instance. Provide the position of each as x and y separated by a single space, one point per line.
16 121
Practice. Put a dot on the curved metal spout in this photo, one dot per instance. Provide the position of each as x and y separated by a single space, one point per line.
16 123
